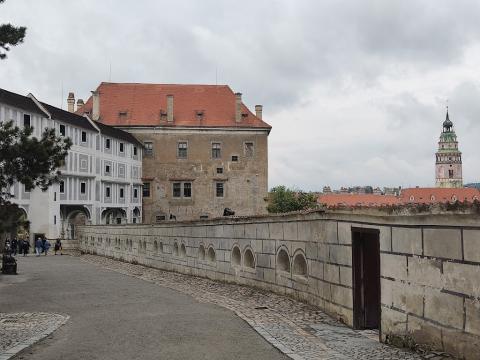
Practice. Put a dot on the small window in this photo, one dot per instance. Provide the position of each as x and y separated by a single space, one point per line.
83 188
148 148
219 170
62 187
146 189
450 174
135 193
122 193
84 136
234 158
107 191
187 189
121 147
26 120
159 218
62 130
177 190
182 149
219 191
249 149
54 219
134 151
26 189
216 151
107 169
107 144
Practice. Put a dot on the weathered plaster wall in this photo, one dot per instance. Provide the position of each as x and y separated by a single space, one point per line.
429 265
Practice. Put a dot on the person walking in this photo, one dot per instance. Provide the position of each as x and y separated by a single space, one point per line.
44 241
38 246
58 247
46 247
14 246
25 247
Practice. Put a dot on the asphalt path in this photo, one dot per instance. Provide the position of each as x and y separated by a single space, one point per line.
114 316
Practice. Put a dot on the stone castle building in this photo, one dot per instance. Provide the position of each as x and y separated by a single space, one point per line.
100 181
448 165
204 150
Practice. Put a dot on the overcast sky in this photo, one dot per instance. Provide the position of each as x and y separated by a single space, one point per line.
355 90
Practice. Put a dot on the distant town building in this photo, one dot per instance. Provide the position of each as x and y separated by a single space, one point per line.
448 165
204 149
101 178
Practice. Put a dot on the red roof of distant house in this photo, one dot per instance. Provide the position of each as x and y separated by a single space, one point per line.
407 196
133 104
437 195
372 200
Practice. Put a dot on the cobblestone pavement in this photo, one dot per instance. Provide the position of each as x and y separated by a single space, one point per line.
299 330
20 330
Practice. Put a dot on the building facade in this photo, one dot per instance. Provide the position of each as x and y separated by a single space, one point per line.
100 179
448 164
204 151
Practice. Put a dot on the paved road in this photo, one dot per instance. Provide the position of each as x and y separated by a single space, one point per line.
113 316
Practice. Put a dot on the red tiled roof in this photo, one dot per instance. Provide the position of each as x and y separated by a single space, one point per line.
143 104
436 195
407 196
357 199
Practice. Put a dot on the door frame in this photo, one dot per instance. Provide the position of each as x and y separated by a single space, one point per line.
358 309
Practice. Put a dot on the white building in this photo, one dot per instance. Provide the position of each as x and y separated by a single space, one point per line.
101 179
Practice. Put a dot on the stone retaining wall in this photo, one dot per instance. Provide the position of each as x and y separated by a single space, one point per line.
429 264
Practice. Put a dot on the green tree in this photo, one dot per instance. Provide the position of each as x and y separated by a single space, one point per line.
282 199
10 36
29 161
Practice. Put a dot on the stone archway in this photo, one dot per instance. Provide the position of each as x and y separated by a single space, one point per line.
73 216
114 216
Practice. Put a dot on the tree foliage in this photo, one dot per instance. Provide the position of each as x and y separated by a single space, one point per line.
282 199
29 161
10 35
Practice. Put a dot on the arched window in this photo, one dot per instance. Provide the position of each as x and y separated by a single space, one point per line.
300 265
283 261
183 250
201 252
236 256
211 254
175 249
249 259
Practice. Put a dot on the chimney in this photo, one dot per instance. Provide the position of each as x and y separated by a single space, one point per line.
71 102
238 107
258 111
80 104
169 108
95 105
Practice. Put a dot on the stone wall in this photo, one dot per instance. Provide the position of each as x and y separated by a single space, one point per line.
429 264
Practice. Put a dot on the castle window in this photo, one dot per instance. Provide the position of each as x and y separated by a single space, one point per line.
450 174
83 188
148 148
134 151
84 136
107 191
182 149
187 189
219 170
107 143
177 190
62 130
234 158
122 193
216 151
146 189
248 149
121 147
135 193
62 187
219 189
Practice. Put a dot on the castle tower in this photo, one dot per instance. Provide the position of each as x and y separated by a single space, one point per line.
448 166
